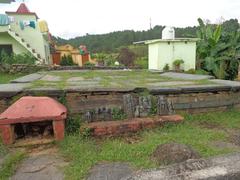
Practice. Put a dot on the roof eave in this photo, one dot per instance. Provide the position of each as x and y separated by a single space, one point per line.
31 13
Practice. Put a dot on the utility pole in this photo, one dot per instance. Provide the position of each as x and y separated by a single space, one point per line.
150 23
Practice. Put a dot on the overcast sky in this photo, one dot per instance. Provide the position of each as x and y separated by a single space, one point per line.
70 18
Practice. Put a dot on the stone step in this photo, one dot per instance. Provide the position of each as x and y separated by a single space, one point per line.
115 128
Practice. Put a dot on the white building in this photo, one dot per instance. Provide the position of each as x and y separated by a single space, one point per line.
165 51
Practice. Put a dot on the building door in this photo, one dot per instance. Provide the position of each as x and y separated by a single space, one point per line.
6 48
56 58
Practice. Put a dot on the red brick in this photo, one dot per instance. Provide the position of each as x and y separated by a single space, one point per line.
7 133
59 127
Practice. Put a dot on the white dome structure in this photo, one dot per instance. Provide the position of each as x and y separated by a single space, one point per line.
168 33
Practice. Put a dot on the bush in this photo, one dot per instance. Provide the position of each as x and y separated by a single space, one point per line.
67 61
73 125
199 71
202 72
24 58
191 71
166 67
118 114
89 64
126 57
178 62
142 62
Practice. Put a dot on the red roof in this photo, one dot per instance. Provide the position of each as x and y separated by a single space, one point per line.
32 109
23 9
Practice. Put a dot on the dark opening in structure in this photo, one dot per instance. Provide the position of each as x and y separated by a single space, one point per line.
42 129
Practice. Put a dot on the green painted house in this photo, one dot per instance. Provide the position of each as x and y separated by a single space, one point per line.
22 32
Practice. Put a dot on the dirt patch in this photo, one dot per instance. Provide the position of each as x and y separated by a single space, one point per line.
49 149
33 141
171 153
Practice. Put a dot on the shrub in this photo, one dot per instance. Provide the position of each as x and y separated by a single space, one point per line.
166 67
199 71
118 114
89 64
67 61
126 57
73 125
178 62
202 72
86 132
24 58
142 62
190 71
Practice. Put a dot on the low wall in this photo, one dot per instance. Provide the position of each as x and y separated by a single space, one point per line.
22 68
26 68
108 105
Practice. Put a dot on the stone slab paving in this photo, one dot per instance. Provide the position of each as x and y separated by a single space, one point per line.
110 171
226 82
13 87
8 90
171 83
42 167
219 168
51 78
186 76
97 78
28 78
84 83
75 79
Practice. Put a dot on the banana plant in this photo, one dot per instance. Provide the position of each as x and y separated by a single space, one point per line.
217 52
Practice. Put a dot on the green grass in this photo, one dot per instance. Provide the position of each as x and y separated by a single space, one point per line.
10 164
85 153
6 78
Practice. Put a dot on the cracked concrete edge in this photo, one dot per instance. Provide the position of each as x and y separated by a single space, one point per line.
28 78
217 168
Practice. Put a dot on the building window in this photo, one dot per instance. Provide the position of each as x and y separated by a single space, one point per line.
6 48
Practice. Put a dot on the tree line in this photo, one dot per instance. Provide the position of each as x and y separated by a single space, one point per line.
111 42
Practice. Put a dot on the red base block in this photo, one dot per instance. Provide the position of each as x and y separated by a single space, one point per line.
114 128
58 127
7 133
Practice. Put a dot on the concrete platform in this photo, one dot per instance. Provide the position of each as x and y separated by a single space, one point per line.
186 76
101 91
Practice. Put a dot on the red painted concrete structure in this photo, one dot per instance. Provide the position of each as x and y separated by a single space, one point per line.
115 128
33 109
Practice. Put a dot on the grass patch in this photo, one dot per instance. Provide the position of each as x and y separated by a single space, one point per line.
6 78
10 164
3 149
85 153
